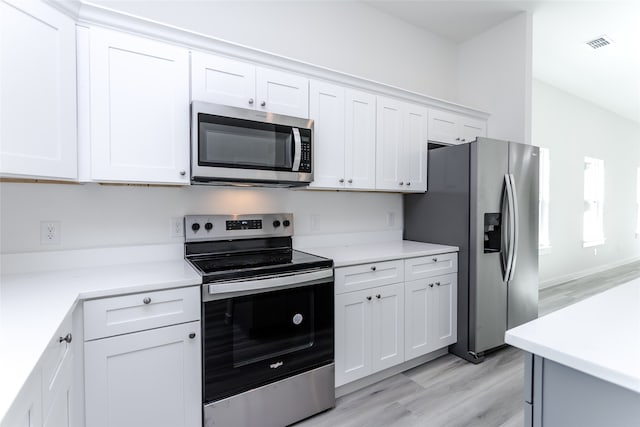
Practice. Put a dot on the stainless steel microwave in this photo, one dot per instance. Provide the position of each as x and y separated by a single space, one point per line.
231 145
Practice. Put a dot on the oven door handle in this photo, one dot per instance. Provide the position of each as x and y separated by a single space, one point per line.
233 288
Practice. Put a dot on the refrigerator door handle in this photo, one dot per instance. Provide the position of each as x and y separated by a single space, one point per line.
516 225
507 231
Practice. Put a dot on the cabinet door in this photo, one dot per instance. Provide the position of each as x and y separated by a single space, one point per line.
222 80
37 91
418 323
139 109
282 93
415 148
26 409
470 129
360 140
389 132
353 336
326 108
445 311
388 326
58 376
149 378
443 127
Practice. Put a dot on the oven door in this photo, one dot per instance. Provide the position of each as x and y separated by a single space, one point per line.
255 339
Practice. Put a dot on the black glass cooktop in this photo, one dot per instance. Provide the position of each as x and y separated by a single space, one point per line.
220 261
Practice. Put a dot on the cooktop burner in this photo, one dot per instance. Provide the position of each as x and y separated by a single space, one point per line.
223 247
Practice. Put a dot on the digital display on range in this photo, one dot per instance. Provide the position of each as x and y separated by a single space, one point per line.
245 224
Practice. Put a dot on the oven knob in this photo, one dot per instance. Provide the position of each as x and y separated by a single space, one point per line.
208 226
276 223
286 223
195 226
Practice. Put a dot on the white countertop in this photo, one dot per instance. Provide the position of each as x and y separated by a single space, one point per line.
599 336
375 252
33 305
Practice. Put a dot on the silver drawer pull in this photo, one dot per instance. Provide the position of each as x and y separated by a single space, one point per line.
373 268
67 338
192 335
431 285
437 283
434 259
146 300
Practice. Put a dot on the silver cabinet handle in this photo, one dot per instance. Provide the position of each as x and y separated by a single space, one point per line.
350 181
437 283
183 173
457 139
146 300
434 259
263 103
67 338
431 285
401 183
408 183
250 101
341 180
463 140
378 296
373 268
369 298
192 335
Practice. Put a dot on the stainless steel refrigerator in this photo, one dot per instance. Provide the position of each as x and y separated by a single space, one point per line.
483 197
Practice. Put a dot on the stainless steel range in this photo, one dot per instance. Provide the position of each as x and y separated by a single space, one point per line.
267 321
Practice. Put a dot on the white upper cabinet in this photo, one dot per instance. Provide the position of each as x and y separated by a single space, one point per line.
139 108
327 109
360 140
401 146
37 92
344 137
222 80
451 128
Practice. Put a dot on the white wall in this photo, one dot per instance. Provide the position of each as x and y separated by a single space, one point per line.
346 36
572 129
94 215
494 75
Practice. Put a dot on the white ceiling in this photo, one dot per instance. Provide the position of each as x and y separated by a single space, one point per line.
609 76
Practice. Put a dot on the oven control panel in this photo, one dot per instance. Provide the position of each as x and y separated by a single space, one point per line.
223 227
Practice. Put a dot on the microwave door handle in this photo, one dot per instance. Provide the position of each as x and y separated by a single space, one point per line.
297 149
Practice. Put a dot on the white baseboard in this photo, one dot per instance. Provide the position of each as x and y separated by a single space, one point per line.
554 281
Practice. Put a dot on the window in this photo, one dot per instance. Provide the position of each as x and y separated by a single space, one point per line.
593 222
543 201
638 202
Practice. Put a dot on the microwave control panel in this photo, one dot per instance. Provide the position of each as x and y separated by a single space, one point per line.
305 155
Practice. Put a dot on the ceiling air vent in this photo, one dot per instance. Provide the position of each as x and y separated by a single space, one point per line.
599 42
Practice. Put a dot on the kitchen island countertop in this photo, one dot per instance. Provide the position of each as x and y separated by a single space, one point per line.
599 336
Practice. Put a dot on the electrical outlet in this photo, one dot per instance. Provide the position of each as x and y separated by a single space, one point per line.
391 219
177 227
50 232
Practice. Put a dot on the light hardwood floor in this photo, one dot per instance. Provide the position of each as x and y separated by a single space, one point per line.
451 392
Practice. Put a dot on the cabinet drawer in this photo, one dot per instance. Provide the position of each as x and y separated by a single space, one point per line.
366 276
130 313
428 266
57 362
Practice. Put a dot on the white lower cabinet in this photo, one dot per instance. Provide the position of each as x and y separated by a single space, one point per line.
369 331
381 320
142 359
149 378
47 398
430 314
